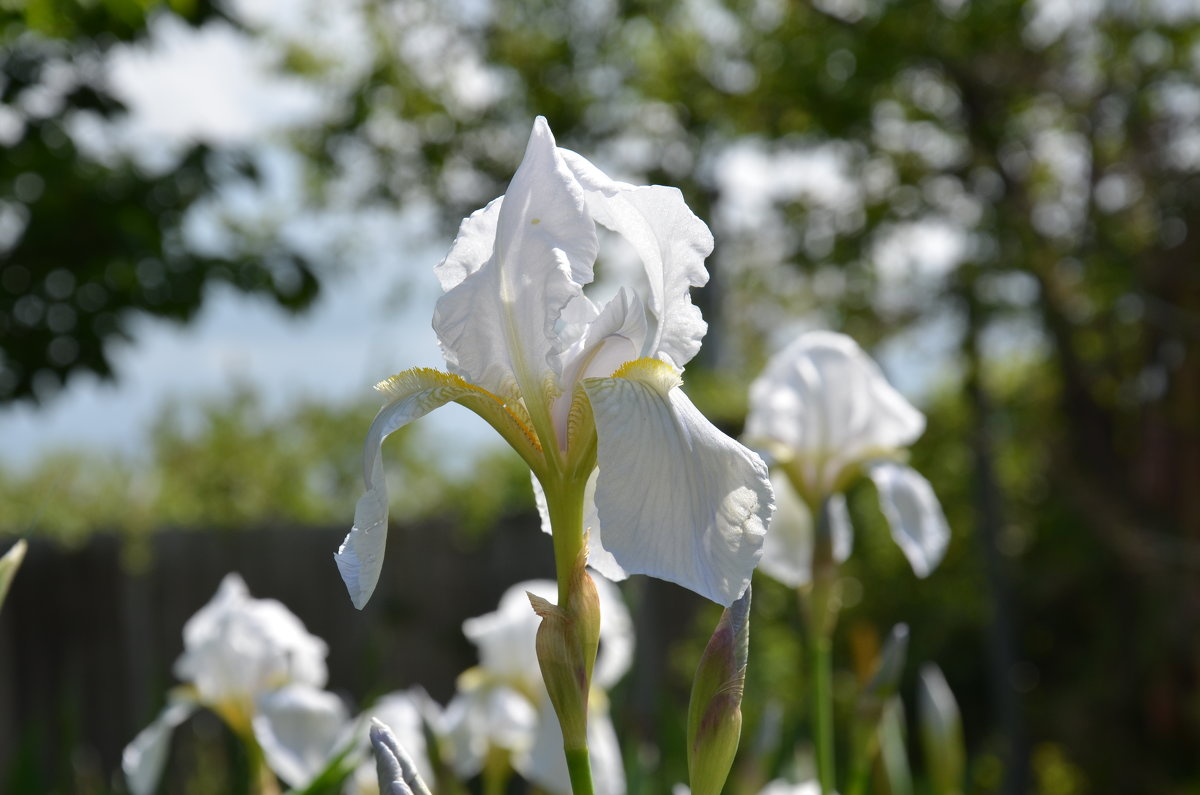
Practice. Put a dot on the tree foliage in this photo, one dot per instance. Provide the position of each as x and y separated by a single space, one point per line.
86 245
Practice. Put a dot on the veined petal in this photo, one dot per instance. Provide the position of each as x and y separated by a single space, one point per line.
677 499
497 325
414 394
788 548
912 509
299 728
144 759
672 244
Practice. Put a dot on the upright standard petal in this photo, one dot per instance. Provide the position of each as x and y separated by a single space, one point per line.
824 403
912 509
677 499
672 244
237 647
498 325
414 394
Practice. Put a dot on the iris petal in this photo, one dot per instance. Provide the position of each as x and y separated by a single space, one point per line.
918 524
144 759
414 394
298 728
672 244
676 498
498 323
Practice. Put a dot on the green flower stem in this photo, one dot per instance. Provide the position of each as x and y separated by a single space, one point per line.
497 768
564 503
823 604
262 779
565 506
580 768
820 659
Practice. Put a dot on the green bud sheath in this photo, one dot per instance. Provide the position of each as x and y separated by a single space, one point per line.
567 641
715 710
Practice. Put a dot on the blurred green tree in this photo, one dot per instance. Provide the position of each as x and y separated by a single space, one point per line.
86 244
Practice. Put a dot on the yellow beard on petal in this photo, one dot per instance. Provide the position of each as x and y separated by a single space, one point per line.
652 372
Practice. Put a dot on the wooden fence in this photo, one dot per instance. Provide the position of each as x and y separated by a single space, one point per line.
89 635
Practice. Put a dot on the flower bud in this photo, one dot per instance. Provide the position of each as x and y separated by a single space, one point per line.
875 730
567 641
715 710
941 732
9 565
397 773
882 684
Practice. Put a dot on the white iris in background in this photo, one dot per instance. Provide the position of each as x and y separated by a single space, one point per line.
237 650
824 412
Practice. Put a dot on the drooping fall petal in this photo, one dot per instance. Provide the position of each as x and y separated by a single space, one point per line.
918 524
413 394
299 728
676 498
145 758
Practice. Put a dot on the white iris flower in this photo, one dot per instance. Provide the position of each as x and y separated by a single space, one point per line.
824 412
237 651
587 394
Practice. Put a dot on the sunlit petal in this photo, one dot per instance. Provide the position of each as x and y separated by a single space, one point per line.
144 759
912 509
413 394
497 326
676 498
672 244
472 246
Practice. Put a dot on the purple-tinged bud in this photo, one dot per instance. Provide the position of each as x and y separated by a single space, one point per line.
715 710
397 773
